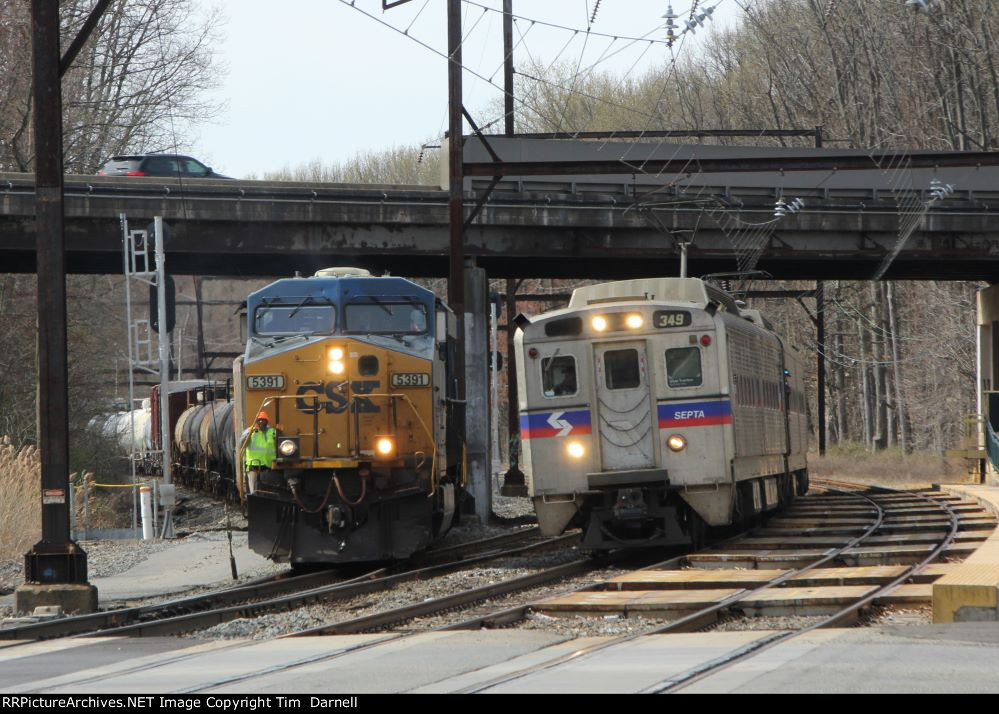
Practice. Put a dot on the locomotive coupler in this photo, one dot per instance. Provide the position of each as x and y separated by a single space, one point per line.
630 505
337 517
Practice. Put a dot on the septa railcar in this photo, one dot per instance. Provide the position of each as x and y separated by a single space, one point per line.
654 409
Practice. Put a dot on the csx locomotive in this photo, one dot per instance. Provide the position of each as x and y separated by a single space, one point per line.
654 409
354 372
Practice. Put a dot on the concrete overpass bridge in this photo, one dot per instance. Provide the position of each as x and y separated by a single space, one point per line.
617 226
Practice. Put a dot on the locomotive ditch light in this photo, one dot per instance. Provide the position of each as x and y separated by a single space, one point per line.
385 446
676 443
599 323
336 353
575 449
337 367
634 321
287 448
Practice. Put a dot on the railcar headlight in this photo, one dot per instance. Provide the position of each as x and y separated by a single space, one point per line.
634 321
599 323
575 449
385 446
676 443
287 447
336 353
337 367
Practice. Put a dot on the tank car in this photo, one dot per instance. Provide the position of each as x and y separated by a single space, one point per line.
203 441
354 372
654 409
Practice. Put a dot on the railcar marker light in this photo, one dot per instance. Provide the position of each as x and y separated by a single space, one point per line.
634 321
706 340
599 323
676 443
336 353
384 446
575 450
337 367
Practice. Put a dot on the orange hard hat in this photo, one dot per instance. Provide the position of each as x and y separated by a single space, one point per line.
263 415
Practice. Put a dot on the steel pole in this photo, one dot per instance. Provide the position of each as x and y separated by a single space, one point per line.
456 213
164 347
56 558
820 326
508 67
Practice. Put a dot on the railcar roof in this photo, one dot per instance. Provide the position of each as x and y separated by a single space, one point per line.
341 288
689 290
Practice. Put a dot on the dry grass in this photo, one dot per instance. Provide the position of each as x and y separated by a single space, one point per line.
20 503
853 462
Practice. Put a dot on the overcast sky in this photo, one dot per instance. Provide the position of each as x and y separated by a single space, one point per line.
319 79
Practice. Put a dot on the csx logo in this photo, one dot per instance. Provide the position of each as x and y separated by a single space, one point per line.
336 397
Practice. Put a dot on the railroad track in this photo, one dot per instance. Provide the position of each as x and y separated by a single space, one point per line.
850 520
278 592
886 511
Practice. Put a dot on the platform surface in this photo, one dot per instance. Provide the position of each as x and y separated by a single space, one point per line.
888 659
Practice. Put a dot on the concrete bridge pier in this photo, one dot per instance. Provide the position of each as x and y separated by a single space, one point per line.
477 388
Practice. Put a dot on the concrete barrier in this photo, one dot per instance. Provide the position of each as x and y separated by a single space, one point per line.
971 592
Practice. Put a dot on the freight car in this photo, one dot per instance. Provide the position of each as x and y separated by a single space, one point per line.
356 374
654 409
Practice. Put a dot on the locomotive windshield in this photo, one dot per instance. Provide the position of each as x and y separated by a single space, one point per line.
683 367
386 318
294 319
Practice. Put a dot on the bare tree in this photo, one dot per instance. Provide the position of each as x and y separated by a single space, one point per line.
138 85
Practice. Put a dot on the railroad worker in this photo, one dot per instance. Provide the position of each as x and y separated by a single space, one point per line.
417 321
261 450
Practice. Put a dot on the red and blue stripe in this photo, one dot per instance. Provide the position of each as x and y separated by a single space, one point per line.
539 425
685 414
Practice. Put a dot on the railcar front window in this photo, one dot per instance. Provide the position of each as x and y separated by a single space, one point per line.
558 376
294 320
683 367
621 369
386 318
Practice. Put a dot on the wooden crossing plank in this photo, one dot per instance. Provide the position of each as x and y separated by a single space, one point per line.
693 578
803 601
908 594
633 601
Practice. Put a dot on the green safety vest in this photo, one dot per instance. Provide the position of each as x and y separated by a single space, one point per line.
261 449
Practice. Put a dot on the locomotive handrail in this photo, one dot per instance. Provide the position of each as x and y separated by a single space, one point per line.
430 435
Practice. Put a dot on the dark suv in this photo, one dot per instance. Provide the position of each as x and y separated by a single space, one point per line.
173 165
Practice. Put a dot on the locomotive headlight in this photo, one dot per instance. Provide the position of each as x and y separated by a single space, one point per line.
337 367
634 321
287 447
599 323
575 449
336 353
676 443
385 446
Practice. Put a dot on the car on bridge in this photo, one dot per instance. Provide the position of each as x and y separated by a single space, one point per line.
169 165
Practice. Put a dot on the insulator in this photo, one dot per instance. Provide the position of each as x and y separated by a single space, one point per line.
596 7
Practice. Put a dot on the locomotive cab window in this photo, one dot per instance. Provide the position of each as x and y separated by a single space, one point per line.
683 367
381 317
558 376
621 369
294 320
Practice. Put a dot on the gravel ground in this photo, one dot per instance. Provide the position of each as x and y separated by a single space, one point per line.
407 594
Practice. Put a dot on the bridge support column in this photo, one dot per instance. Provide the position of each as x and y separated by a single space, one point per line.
477 389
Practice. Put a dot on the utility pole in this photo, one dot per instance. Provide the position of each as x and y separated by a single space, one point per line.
55 569
513 480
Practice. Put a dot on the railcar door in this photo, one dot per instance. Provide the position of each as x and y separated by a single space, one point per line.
624 406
